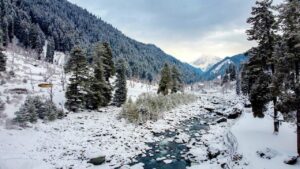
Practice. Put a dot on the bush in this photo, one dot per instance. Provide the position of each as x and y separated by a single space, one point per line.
36 108
151 107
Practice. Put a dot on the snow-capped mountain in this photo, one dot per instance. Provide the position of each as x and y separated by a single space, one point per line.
205 63
220 67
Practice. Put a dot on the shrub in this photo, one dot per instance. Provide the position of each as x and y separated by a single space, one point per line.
35 108
151 107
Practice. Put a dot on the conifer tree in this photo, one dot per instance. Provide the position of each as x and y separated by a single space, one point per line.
27 112
109 68
176 84
98 85
290 53
2 61
262 30
120 95
238 84
103 52
165 81
76 90
50 50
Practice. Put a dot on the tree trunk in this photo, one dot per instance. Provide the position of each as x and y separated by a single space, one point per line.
276 120
298 131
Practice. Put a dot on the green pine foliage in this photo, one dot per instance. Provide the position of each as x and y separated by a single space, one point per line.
98 85
165 81
2 62
50 50
77 88
35 108
120 95
176 84
261 57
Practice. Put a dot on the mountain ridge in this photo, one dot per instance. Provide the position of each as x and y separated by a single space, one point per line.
68 24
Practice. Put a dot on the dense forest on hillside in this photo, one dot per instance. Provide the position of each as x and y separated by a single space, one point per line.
62 25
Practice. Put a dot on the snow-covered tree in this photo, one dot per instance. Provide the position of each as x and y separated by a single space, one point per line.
102 51
27 113
176 84
290 24
165 81
261 58
120 95
238 83
76 90
98 86
2 62
50 50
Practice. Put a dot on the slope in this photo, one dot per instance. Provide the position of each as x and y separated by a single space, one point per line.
35 21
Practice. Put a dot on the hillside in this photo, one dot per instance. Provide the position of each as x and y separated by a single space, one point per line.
220 67
35 22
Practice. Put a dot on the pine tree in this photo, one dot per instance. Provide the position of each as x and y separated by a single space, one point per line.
109 68
245 83
50 50
290 53
2 61
27 112
238 84
165 81
103 52
120 96
76 90
98 86
176 84
262 30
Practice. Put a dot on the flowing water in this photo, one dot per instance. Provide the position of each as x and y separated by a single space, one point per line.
169 154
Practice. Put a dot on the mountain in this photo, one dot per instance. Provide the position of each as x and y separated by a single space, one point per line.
64 24
206 62
220 67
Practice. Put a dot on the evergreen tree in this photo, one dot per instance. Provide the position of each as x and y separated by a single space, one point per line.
262 30
109 68
245 83
76 90
27 112
98 86
238 84
2 61
103 52
165 81
290 53
176 84
120 96
50 50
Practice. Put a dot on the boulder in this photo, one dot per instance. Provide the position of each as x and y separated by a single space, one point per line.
291 160
97 161
221 120
235 113
210 109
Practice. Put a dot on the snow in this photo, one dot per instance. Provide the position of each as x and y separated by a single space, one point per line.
254 134
225 62
72 141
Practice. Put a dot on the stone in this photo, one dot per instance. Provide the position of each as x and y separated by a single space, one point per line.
221 120
97 161
234 114
291 160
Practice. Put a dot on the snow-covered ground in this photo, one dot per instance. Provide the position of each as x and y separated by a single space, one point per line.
256 135
72 141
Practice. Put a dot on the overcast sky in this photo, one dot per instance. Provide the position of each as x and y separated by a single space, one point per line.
186 29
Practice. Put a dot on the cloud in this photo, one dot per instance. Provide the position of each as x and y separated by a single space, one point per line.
186 29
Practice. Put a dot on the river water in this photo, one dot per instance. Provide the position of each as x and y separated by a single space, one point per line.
169 153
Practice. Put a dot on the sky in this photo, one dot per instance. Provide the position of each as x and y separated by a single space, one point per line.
185 29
